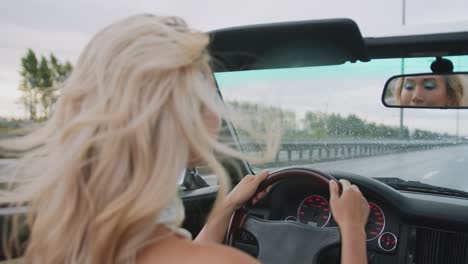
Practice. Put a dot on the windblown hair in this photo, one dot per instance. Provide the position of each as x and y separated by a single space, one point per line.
129 117
454 84
455 89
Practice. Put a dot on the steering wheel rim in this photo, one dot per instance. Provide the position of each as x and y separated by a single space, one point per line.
279 241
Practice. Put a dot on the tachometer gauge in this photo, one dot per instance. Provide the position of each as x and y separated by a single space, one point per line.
375 223
388 241
314 210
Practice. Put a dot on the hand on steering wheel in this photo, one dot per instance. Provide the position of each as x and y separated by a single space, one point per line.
278 240
350 209
246 189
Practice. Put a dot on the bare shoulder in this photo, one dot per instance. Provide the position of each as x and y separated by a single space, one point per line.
181 251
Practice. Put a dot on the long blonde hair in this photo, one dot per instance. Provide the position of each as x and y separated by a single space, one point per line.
106 163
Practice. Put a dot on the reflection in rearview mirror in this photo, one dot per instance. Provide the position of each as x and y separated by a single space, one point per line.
427 91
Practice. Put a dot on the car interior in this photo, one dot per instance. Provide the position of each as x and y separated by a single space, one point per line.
418 214
410 221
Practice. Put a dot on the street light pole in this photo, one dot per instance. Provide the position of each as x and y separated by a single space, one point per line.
403 21
401 109
404 13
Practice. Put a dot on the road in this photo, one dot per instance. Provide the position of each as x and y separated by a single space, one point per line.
447 167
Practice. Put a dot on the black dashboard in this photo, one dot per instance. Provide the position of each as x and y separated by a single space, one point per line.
403 227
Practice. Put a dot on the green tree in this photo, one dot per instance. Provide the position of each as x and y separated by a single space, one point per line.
29 83
45 86
257 116
59 71
40 83
354 126
314 125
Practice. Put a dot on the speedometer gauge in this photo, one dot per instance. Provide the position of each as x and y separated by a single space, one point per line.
375 223
314 210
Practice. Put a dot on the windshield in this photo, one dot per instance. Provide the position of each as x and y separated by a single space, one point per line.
333 119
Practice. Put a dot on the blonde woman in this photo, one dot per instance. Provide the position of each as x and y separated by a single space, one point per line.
101 180
429 90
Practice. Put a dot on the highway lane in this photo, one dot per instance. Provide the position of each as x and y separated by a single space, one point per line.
447 167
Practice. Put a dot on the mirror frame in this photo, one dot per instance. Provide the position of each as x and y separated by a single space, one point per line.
420 107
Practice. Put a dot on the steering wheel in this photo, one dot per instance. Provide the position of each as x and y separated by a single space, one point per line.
285 241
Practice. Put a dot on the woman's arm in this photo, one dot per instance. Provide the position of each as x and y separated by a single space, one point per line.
350 211
215 228
353 246
218 222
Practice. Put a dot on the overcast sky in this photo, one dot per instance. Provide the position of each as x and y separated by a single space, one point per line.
357 91
64 27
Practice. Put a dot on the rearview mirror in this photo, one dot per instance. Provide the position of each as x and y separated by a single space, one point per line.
426 90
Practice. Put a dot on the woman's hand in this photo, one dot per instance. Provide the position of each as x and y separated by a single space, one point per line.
350 210
245 189
218 222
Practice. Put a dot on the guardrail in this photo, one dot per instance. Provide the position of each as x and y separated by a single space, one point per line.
319 151
312 152
8 154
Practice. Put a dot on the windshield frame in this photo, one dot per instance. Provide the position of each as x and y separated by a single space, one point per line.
255 168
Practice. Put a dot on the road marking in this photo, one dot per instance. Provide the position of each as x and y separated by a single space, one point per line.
430 174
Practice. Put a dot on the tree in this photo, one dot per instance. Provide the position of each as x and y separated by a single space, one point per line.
60 71
259 114
315 125
29 84
45 86
40 83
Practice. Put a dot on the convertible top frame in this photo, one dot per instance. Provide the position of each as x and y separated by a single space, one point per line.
320 42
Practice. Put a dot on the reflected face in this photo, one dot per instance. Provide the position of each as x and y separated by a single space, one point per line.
426 90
